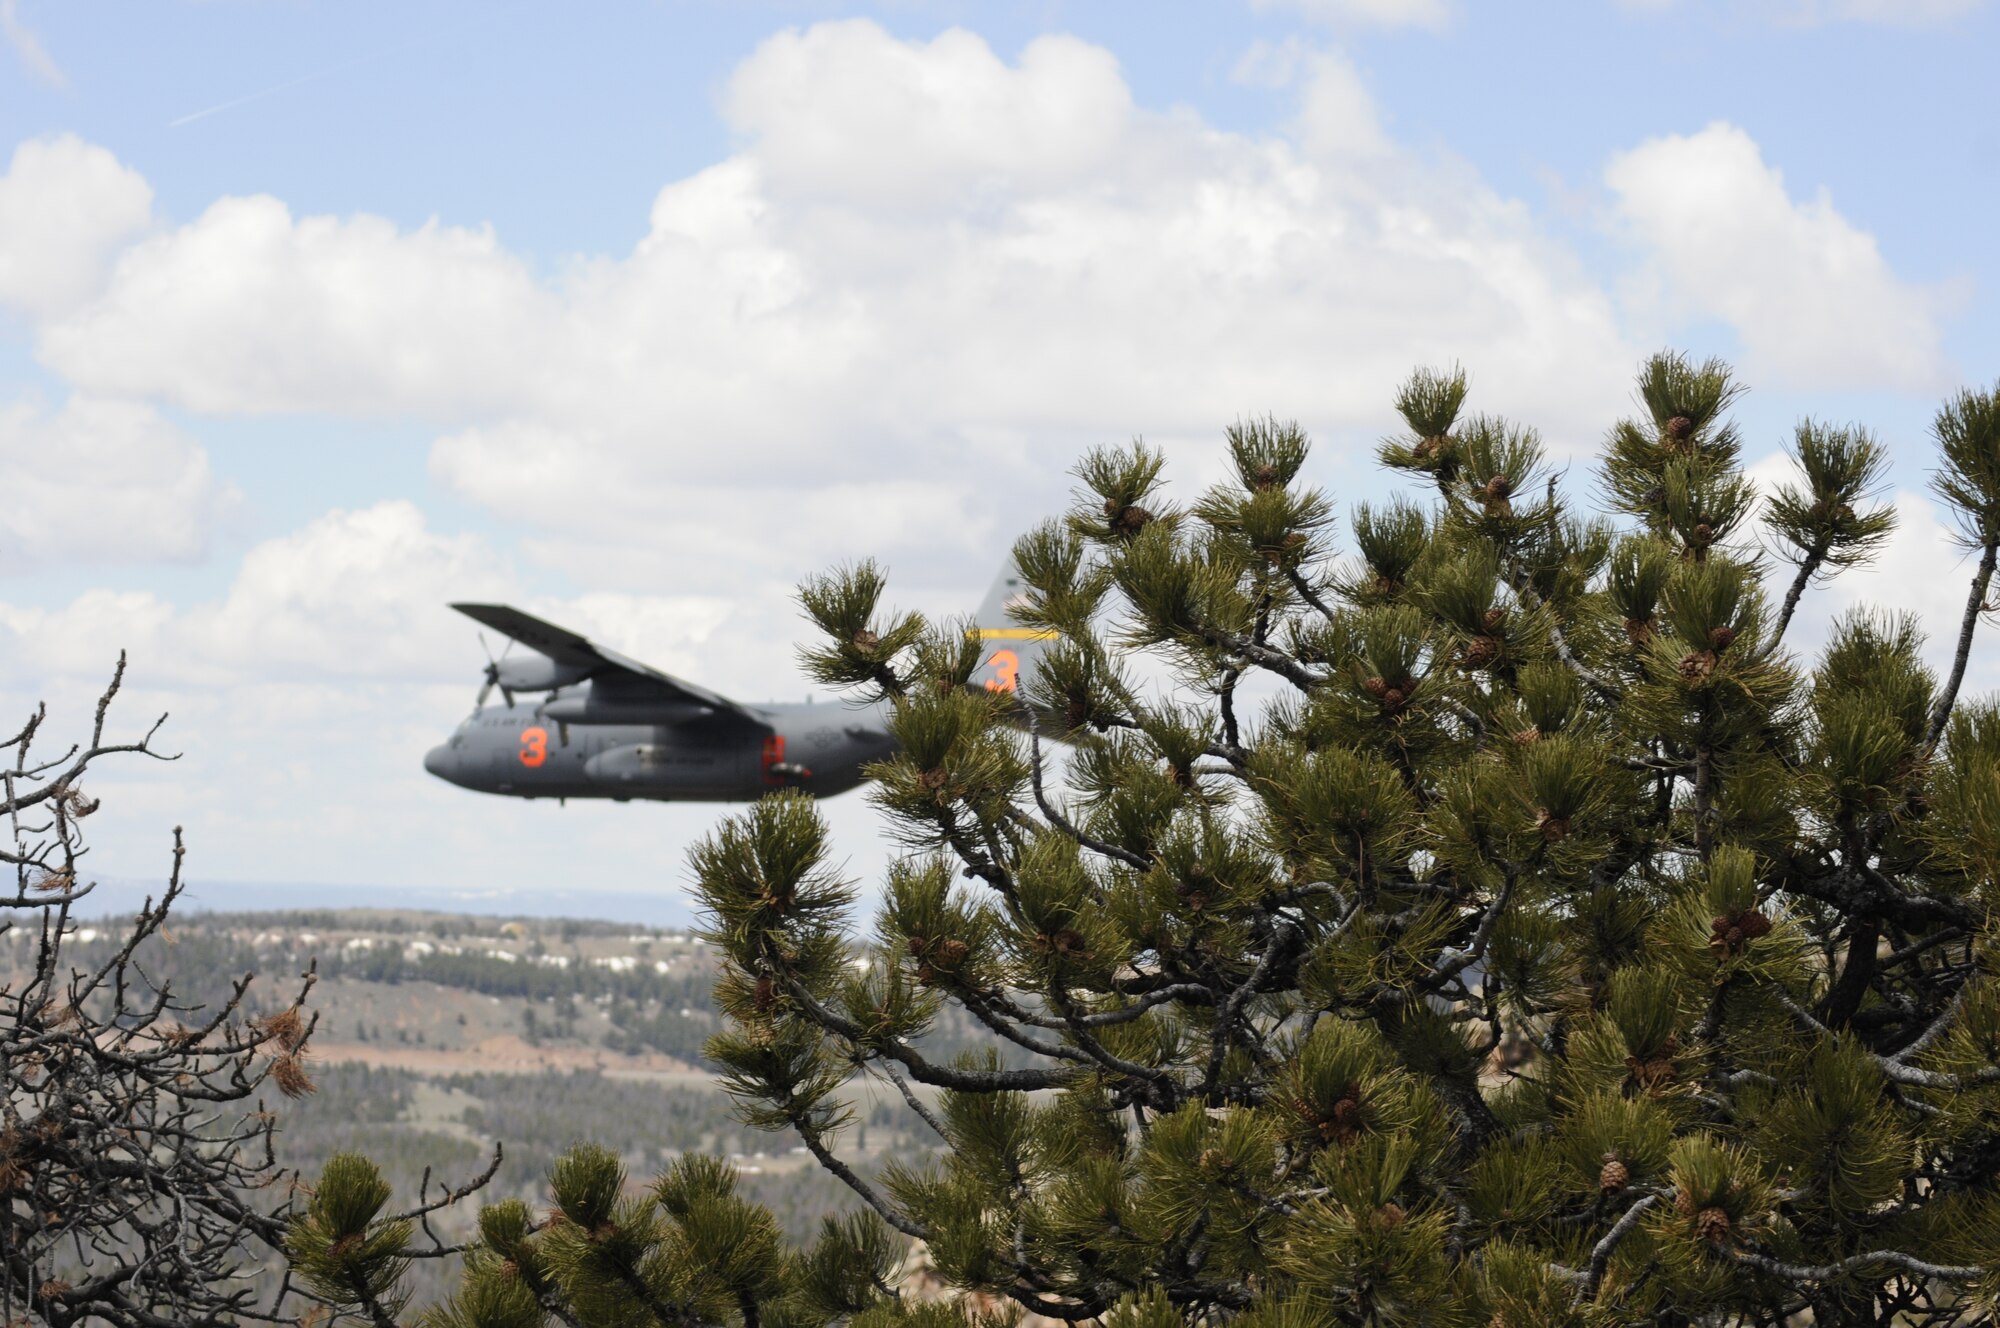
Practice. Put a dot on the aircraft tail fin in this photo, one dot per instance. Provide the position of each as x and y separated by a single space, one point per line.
1009 649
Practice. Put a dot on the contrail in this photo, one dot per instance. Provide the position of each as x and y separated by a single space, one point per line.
232 104
276 88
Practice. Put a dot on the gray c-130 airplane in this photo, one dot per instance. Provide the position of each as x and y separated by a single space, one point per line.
611 727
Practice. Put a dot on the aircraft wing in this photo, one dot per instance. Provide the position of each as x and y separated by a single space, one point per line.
566 647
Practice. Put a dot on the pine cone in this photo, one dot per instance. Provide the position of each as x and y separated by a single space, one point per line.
1065 941
1389 1216
1638 630
1650 1076
1498 489
1528 736
1554 829
1697 667
1612 1177
1077 714
1728 933
1481 651
1392 698
1126 518
1721 638
1713 1225
933 779
865 641
1341 1124
1264 477
1704 535
950 951
1386 586
1680 428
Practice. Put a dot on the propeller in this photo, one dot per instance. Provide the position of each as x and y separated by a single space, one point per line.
493 673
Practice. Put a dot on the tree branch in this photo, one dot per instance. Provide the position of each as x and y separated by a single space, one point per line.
1975 603
1600 1253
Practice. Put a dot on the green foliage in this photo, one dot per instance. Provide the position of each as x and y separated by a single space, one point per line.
1821 522
1537 941
339 1249
1967 430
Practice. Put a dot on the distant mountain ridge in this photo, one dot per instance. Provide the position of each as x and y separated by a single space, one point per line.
123 895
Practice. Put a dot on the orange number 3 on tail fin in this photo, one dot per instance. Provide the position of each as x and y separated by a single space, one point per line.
1006 666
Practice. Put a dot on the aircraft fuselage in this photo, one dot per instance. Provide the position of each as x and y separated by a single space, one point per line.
525 751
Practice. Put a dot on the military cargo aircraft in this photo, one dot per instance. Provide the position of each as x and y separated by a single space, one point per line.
611 727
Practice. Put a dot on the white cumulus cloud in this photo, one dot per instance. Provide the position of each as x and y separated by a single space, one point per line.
247 309
928 275
1433 14
102 481
66 206
839 112
1808 292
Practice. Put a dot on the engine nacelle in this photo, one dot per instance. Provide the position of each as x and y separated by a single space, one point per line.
535 673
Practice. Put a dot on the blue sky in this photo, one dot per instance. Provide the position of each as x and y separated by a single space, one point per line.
313 315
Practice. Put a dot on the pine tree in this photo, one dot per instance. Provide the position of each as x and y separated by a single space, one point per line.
1497 925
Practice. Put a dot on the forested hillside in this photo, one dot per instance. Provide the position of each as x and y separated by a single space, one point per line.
442 1035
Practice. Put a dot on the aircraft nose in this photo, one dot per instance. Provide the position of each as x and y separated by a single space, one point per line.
438 760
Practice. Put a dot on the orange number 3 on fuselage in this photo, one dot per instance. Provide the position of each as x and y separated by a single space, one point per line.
534 746
1006 671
